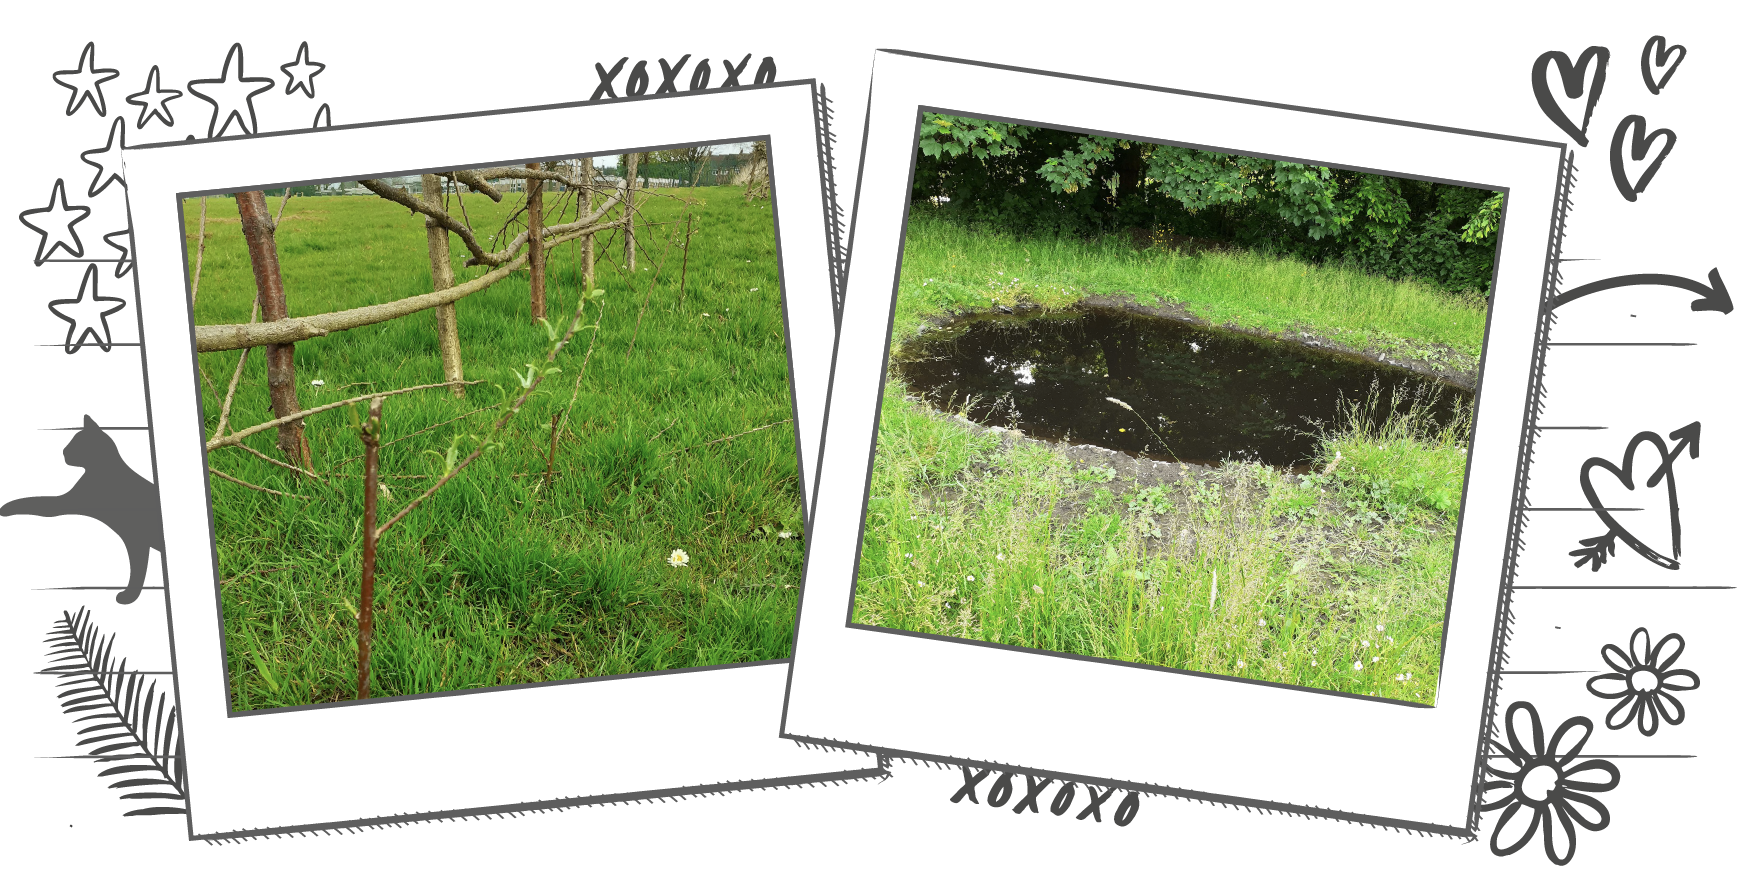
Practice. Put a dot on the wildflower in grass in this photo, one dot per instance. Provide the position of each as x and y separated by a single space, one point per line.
907 555
784 534
1365 643
1261 622
757 289
1375 660
1390 639
1642 682
1038 589
1001 558
1379 627
1312 663
316 383
1548 784
1240 664
678 559
920 582
970 578
1194 347
1357 666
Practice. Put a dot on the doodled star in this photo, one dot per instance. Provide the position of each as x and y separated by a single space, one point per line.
54 222
153 101
107 159
121 240
86 82
88 314
301 72
231 96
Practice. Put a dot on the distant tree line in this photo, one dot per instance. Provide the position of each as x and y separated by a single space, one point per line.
1035 180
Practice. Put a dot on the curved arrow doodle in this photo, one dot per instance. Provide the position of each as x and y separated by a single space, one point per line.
1713 294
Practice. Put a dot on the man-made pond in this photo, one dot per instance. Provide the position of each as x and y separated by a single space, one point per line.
1180 392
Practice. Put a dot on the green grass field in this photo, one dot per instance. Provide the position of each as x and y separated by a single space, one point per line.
497 579
1334 580
950 267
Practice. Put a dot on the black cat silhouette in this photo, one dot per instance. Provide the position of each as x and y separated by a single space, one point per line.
110 493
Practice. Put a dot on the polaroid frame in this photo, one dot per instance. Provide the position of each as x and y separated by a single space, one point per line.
1159 730
500 749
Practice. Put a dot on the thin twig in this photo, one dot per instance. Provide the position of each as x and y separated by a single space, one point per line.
283 464
199 261
425 429
228 399
227 441
649 288
554 434
217 473
370 435
727 437
281 203
567 413
663 430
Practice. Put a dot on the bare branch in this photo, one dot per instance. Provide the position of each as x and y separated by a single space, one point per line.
479 255
229 398
237 480
474 180
727 437
234 336
344 462
280 464
199 260
229 440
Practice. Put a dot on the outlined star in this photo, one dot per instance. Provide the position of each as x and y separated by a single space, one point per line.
155 103
88 314
107 159
54 221
231 97
86 82
125 246
323 118
301 72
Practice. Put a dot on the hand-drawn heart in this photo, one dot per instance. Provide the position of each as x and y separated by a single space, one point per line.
1599 549
1633 130
1653 57
1575 81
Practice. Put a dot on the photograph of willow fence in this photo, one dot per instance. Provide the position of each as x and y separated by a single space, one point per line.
1176 407
497 426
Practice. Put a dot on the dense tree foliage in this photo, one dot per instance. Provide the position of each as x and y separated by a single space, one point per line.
1037 180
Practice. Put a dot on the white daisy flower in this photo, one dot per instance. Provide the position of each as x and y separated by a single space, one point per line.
678 559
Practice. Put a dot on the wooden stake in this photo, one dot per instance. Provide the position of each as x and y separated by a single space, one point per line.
630 174
256 226
534 219
370 503
587 246
440 263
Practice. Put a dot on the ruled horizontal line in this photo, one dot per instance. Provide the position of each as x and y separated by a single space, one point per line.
101 673
104 428
1593 755
98 347
1609 509
1550 672
77 588
1620 344
1622 587
1571 427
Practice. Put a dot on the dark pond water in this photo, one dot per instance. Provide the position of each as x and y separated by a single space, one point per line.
1207 395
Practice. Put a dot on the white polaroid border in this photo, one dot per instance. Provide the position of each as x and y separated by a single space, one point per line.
1158 730
504 749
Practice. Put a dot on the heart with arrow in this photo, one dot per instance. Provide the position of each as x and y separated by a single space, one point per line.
1598 550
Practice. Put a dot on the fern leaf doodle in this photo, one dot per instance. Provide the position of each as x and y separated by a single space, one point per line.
121 717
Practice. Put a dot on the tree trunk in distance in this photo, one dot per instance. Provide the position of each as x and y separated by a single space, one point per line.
588 246
534 221
631 174
262 249
1131 170
440 267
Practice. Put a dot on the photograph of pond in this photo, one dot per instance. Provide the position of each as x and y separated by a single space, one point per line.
1177 408
584 462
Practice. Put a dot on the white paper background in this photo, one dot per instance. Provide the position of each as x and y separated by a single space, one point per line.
1463 65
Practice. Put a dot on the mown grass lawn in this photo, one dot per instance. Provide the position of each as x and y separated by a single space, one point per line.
1335 579
499 579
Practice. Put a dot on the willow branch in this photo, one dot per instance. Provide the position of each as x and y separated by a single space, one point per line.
513 411
229 398
237 480
479 255
229 440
